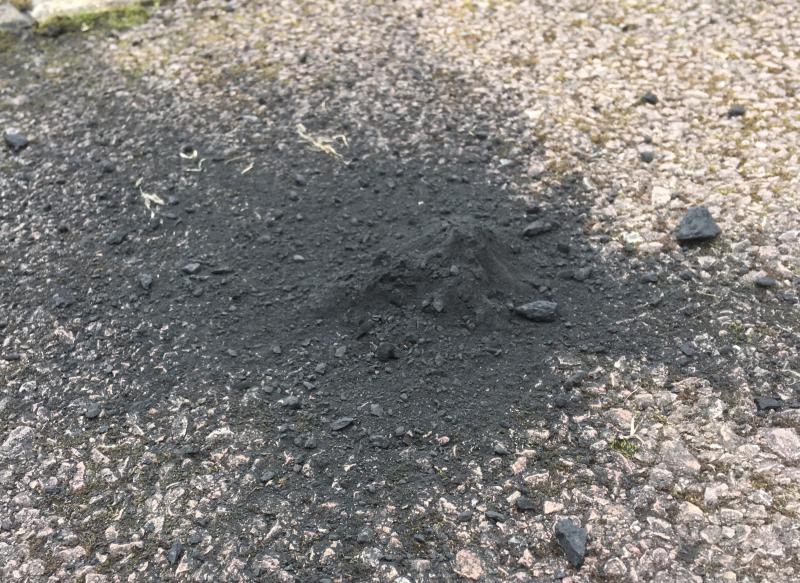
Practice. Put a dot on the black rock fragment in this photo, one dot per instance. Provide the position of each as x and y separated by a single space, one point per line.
736 110
697 225
538 311
385 352
650 98
342 423
15 142
572 540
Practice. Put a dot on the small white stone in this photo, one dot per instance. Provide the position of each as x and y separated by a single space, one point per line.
784 442
550 507
468 565
615 568
688 512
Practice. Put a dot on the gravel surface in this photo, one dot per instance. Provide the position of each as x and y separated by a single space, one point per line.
403 291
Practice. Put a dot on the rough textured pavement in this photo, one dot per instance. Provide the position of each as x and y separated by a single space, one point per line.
394 291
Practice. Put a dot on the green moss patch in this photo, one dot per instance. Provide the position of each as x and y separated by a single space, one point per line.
117 19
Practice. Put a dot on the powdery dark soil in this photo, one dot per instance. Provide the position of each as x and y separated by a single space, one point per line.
306 265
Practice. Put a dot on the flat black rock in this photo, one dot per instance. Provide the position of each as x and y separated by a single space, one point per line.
766 281
538 311
768 404
697 225
494 516
572 540
524 503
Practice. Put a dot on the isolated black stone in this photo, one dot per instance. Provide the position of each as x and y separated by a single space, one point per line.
495 516
116 237
650 98
385 352
524 503
92 411
647 156
538 311
174 553
291 402
736 110
15 142
766 281
768 404
572 540
697 225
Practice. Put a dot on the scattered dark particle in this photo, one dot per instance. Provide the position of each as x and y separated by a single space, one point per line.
538 227
575 380
365 327
291 402
649 277
494 516
647 156
538 311
768 404
116 237
174 553
500 449
736 110
63 299
342 423
364 536
385 352
188 450
92 411
15 142
572 540
523 503
195 538
650 98
145 281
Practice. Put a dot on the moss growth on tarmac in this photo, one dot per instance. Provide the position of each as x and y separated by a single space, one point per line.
116 19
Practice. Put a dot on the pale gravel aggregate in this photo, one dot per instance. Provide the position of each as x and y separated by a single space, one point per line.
711 480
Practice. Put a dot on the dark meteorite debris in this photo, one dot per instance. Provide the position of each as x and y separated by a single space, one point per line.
15 142
736 110
572 540
538 227
538 311
697 225
341 423
766 281
650 98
